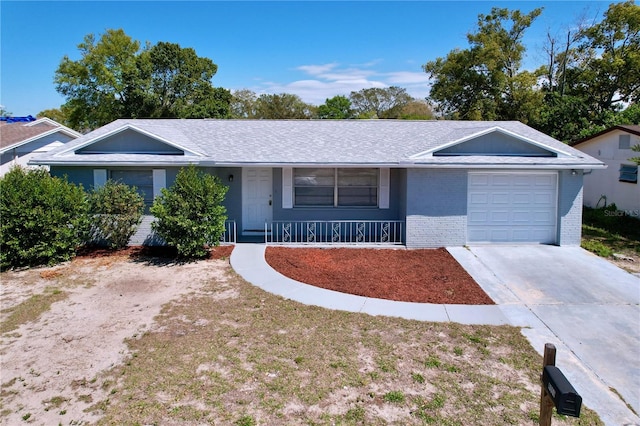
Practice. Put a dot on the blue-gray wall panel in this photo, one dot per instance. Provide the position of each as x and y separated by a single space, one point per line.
436 207
569 208
78 175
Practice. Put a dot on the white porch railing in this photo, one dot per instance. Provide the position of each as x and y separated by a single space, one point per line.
229 234
384 232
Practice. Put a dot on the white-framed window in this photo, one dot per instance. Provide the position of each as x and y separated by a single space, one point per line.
624 142
628 173
141 179
336 187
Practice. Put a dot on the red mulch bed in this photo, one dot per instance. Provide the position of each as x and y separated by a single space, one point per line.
140 252
426 276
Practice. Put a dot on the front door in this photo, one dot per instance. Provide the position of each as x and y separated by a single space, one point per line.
257 199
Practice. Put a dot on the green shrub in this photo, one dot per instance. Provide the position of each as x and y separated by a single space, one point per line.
44 218
189 214
116 211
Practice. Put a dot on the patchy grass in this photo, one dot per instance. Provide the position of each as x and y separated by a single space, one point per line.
30 309
233 354
606 231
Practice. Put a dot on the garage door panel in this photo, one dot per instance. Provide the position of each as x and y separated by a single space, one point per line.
521 217
545 180
543 198
521 198
480 198
478 217
500 198
512 207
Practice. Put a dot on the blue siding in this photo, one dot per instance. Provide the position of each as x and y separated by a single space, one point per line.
78 175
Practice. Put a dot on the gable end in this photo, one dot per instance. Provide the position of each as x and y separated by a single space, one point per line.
131 140
495 144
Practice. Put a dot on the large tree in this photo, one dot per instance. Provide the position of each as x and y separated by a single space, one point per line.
592 74
485 81
338 107
115 79
243 104
95 86
613 72
174 82
377 102
283 106
417 110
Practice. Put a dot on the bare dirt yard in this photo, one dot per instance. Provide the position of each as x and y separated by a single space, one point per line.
137 338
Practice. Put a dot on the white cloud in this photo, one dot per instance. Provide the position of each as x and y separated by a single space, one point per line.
332 79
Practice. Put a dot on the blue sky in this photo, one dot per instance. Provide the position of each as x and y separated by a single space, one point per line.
313 49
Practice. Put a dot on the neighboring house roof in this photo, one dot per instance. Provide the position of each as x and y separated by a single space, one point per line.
17 133
629 128
392 143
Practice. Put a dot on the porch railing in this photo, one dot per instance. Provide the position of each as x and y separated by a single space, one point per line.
229 234
383 232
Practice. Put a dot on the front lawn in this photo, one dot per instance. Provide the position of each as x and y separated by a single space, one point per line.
226 352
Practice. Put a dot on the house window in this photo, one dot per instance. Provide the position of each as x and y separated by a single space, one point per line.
624 142
141 179
320 187
628 173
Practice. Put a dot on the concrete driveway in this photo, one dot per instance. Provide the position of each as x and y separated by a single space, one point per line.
587 307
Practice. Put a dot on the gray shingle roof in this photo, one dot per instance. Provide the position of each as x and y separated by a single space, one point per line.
338 142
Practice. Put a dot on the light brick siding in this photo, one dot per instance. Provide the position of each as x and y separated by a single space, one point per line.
436 208
569 208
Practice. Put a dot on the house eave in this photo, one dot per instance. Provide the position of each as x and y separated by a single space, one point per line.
399 165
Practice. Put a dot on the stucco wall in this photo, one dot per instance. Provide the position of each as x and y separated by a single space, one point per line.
605 182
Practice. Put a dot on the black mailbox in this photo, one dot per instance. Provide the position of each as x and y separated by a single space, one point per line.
564 396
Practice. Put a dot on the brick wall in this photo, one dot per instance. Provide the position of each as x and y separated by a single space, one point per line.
569 208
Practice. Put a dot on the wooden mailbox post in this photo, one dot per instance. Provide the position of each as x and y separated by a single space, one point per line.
556 390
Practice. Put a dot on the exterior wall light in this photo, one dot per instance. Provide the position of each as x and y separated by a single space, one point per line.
230 178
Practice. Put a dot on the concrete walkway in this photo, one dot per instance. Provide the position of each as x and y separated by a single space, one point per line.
248 261
588 308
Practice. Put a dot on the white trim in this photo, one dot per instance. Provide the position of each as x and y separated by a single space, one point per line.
159 181
246 205
430 152
99 178
287 187
47 120
383 192
125 128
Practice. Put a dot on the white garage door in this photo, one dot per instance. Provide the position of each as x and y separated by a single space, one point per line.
512 207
